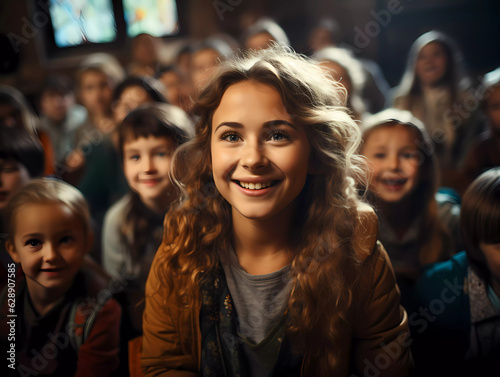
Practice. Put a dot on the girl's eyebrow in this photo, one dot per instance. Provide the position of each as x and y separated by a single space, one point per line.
33 235
268 124
128 150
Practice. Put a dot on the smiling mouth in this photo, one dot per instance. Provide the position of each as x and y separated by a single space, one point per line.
394 183
152 181
51 270
256 186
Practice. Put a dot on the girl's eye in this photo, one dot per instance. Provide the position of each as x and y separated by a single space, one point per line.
408 155
161 154
134 157
379 155
66 239
278 136
230 136
33 242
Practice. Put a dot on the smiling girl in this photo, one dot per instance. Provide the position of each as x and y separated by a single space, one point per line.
49 235
270 265
435 89
417 226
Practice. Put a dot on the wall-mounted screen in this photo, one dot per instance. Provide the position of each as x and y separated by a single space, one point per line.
155 17
78 22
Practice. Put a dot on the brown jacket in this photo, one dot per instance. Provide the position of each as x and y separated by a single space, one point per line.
375 343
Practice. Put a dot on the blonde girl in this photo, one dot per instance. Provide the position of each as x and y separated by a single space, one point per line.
418 226
270 265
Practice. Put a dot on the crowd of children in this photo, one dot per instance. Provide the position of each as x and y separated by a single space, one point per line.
252 212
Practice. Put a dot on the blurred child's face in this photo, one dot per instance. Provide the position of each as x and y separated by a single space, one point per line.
493 108
393 154
260 156
203 66
130 99
492 254
320 38
259 41
338 73
50 243
95 92
172 83
13 176
10 116
55 105
146 163
431 63
145 49
184 62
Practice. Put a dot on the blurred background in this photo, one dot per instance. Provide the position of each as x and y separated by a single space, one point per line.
40 37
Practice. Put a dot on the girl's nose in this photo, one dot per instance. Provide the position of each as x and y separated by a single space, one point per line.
148 164
50 253
253 157
393 162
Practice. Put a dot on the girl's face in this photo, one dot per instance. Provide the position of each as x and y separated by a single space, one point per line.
260 156
50 242
146 163
259 41
392 153
338 73
95 92
10 116
203 66
172 83
55 105
13 176
431 64
130 99
145 49
493 108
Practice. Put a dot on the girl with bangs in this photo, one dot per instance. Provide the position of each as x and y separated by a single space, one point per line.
132 232
270 264
463 293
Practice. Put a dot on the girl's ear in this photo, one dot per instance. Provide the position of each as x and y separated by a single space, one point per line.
9 245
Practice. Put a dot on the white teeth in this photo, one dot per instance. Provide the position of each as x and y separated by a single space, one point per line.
255 186
395 181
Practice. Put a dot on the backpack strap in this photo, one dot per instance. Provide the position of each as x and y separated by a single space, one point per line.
81 321
76 325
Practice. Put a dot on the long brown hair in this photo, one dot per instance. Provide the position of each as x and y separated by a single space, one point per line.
326 255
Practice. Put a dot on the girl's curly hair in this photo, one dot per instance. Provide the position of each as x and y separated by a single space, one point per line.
327 257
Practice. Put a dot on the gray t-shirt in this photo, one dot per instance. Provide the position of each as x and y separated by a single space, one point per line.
260 302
